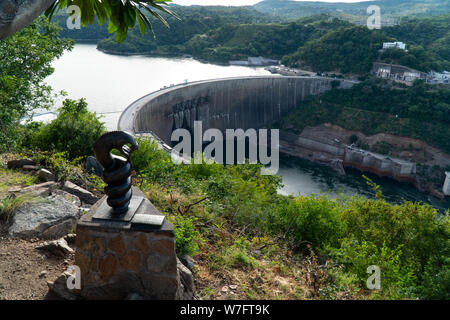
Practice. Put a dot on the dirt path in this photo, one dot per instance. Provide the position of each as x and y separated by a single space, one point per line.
24 270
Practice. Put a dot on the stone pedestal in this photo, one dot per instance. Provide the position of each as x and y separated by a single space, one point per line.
121 259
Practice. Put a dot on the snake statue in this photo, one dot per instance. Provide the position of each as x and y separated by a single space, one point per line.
117 169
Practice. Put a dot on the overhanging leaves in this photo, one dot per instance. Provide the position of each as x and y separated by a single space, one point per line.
122 14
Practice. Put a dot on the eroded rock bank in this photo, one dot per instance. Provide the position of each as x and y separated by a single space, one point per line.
401 158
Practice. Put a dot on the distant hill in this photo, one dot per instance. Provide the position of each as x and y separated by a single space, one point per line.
287 9
195 20
321 43
221 38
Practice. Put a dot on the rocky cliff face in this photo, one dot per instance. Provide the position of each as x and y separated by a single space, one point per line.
401 158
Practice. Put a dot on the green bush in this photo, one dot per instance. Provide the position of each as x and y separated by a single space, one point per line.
186 236
436 282
397 280
234 256
74 131
147 155
154 164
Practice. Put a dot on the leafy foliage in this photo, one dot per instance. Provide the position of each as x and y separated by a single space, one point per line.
269 40
26 62
354 49
185 235
195 22
390 8
74 131
347 50
122 14
409 242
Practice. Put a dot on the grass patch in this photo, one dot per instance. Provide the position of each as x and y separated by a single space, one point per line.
13 178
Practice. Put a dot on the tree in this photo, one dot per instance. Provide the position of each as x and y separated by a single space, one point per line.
122 14
26 62
74 131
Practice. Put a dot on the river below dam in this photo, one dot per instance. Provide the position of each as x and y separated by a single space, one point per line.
110 83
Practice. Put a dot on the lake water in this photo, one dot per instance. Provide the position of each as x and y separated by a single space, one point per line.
110 83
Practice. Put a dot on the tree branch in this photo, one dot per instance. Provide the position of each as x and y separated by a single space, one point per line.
18 14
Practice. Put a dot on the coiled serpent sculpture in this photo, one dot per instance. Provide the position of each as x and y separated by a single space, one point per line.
117 169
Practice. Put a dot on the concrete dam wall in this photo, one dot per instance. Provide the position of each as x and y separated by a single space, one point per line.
230 103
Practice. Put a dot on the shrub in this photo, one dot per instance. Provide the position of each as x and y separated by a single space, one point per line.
74 131
353 138
153 163
416 226
436 283
186 236
58 163
235 255
397 280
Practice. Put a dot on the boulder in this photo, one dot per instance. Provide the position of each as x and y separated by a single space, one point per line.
84 195
68 196
60 289
93 167
17 164
46 175
188 261
51 219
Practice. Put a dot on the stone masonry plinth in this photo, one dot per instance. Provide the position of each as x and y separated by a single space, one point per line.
119 259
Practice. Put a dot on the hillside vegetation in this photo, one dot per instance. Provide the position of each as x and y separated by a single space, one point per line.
287 9
231 219
194 20
319 43
227 40
409 241
421 111
235 42
353 49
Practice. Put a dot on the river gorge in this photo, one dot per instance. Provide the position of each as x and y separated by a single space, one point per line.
111 83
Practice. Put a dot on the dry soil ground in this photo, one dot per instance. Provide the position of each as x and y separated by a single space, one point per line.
25 270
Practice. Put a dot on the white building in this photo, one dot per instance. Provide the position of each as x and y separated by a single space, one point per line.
399 45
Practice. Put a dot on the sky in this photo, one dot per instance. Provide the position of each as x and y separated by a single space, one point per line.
238 2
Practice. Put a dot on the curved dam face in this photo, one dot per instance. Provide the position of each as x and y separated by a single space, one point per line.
231 103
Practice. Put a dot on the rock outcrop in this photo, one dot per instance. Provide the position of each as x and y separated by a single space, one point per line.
51 218
328 144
